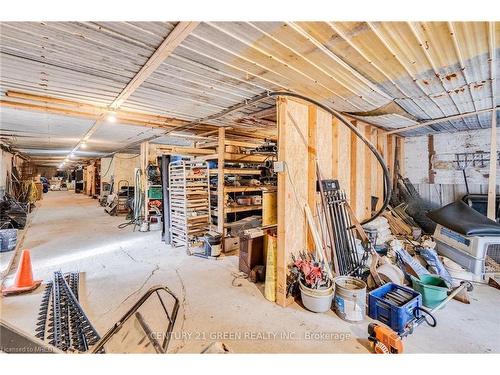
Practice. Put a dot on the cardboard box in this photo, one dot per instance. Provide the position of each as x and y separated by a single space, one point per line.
231 244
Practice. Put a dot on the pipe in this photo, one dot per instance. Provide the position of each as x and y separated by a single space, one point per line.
333 112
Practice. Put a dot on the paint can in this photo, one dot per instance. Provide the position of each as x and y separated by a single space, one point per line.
350 298
212 244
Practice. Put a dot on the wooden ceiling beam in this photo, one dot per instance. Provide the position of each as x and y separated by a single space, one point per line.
76 105
33 102
174 38
271 111
95 115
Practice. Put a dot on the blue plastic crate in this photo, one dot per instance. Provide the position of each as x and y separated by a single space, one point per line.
388 313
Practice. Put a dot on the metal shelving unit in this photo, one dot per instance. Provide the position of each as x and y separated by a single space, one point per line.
189 194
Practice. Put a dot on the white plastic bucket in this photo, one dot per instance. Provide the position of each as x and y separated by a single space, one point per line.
316 300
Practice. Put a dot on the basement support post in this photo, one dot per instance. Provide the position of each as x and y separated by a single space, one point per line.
220 180
492 179
431 153
144 158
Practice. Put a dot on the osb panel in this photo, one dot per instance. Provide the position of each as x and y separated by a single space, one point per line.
292 186
342 155
324 143
307 134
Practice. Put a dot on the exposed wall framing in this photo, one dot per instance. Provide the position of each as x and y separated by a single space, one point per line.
307 134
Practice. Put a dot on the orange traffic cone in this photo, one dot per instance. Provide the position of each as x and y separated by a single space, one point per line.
24 277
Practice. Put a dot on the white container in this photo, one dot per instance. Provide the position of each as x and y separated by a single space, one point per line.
456 271
350 298
316 300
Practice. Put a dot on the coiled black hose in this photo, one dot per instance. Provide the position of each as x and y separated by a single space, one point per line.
373 149
334 113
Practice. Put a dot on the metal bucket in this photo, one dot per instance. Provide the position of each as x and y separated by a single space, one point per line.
350 298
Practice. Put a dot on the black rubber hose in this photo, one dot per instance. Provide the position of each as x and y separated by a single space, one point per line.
373 149
336 114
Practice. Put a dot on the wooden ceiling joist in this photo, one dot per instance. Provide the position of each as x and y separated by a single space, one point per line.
174 38
58 106
89 107
263 113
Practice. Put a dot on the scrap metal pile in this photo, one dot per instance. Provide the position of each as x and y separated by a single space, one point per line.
13 213
61 319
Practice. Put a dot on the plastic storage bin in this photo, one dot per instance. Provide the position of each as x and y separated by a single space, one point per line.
388 313
155 192
8 239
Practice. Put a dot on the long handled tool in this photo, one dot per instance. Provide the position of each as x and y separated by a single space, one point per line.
320 251
387 341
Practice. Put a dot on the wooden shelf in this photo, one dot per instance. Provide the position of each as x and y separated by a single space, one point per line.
234 209
237 171
227 165
232 157
245 189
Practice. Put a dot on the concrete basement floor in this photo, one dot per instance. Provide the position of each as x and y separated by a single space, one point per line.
70 232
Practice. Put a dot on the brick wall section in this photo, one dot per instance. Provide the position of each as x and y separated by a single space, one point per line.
448 181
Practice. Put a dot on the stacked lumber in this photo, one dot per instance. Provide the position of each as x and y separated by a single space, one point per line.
398 226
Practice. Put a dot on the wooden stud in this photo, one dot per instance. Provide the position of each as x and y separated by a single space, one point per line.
390 155
431 152
353 180
144 158
369 173
281 261
335 148
381 146
492 178
311 167
341 168
401 155
324 146
220 180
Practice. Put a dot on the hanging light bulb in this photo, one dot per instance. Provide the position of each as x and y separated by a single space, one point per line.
83 145
111 117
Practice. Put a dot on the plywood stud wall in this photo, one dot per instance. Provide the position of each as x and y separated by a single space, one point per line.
307 134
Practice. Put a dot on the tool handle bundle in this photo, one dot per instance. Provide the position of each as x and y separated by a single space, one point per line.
340 225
